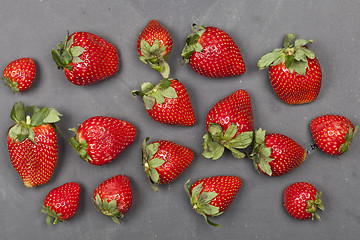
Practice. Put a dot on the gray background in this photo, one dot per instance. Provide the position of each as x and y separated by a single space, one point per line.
33 28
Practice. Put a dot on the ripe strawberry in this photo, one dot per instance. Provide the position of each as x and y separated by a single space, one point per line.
301 200
61 203
164 161
32 143
20 74
154 44
211 52
333 133
294 71
230 125
114 197
211 196
275 154
99 140
86 58
167 102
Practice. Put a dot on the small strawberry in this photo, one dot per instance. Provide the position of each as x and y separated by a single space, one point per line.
301 200
276 154
61 203
333 133
211 196
86 58
167 102
20 74
114 197
99 140
164 161
32 143
294 71
230 125
211 52
153 45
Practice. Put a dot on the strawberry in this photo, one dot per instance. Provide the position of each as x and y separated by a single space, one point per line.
167 102
333 133
99 140
153 45
20 74
114 197
86 58
211 196
294 71
164 161
32 143
301 201
211 52
229 124
276 154
61 203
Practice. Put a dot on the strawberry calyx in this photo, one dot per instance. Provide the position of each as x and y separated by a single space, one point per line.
150 164
80 146
294 55
108 208
52 216
348 138
314 205
215 141
12 84
191 43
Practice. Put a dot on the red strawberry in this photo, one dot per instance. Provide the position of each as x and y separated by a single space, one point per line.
20 74
114 197
301 200
32 143
86 58
230 125
276 154
167 102
99 139
61 203
211 196
333 133
154 44
211 52
294 71
164 161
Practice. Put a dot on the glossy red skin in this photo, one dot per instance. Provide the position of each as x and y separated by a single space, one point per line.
22 71
177 157
329 132
100 60
220 57
295 88
64 200
154 30
295 199
106 137
235 108
225 186
35 162
287 154
119 188
175 111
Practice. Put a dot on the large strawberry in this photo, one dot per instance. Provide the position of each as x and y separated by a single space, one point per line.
276 154
167 102
114 197
86 58
99 140
164 161
211 196
229 124
32 143
212 52
294 71
333 133
302 200
153 45
61 203
20 74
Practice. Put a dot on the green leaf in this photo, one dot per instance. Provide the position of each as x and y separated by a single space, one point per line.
147 87
165 69
288 39
302 42
270 59
154 175
243 140
155 46
149 102
39 116
144 47
66 58
289 59
206 197
52 117
76 51
18 112
159 98
230 132
310 54
210 210
237 154
169 92
156 162
265 167
299 67
300 55
195 193
151 149
260 136
216 131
